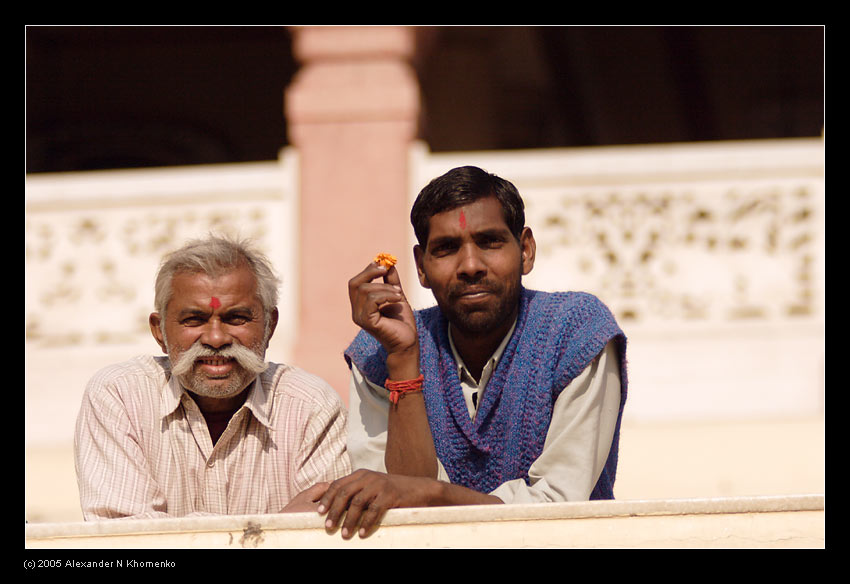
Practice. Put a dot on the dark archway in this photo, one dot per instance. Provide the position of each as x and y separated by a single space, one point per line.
122 97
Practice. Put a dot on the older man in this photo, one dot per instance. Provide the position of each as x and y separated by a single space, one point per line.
211 428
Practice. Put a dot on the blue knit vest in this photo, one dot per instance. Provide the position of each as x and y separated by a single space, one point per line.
556 337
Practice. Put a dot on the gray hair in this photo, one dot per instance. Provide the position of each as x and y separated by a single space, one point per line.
214 256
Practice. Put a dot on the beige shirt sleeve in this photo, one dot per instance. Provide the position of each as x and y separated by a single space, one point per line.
113 475
143 450
579 438
576 447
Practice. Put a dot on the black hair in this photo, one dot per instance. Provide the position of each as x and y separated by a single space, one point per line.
461 186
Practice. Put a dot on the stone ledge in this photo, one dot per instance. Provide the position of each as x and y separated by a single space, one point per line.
769 521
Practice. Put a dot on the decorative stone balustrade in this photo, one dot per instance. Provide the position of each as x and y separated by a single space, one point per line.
753 522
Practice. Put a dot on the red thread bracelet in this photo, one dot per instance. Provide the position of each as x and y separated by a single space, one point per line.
399 388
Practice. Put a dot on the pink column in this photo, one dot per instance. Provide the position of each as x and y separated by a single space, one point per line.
352 112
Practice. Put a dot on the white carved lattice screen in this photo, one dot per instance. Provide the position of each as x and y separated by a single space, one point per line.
711 255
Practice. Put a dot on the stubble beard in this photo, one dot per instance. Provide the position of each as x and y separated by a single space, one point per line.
483 321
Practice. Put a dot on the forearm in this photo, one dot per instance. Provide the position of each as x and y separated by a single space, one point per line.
410 446
444 494
426 492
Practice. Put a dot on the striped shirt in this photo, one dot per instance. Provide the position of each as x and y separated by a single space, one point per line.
143 450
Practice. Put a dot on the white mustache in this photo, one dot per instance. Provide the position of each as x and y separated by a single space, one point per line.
248 359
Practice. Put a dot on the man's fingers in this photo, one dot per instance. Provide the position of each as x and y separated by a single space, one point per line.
371 516
332 505
391 276
337 498
377 297
367 305
358 509
306 500
315 492
372 272
358 291
354 503
369 273
363 498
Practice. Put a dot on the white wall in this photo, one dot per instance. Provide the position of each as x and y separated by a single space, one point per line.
711 255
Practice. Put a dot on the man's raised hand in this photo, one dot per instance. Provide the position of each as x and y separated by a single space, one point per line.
381 309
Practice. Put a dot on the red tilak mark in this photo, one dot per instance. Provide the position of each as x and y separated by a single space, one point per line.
462 220
214 303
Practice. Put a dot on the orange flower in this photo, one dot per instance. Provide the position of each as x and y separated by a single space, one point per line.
387 260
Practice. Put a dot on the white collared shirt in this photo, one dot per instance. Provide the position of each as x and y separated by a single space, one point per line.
473 390
577 442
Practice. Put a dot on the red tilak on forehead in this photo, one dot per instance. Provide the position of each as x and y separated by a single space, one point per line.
462 220
214 302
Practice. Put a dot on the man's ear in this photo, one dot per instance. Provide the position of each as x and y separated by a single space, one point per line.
418 257
273 318
154 320
528 248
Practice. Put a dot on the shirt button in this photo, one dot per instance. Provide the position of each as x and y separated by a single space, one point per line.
210 463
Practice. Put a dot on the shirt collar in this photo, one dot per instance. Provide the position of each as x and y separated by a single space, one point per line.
258 400
491 363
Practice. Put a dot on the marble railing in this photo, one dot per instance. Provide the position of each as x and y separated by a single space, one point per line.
747 522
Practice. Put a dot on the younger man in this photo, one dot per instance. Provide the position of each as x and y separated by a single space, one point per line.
499 394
